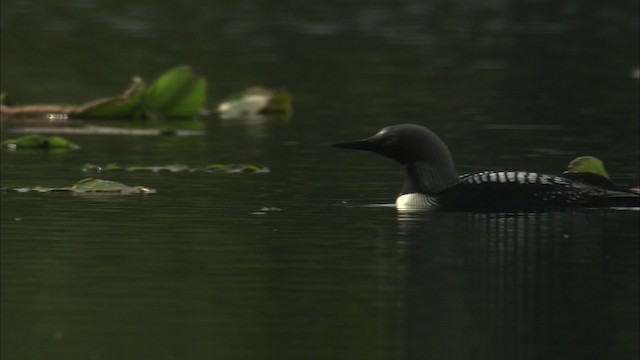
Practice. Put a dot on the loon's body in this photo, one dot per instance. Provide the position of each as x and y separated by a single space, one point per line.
514 191
431 181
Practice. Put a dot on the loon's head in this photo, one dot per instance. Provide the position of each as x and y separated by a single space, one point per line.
429 165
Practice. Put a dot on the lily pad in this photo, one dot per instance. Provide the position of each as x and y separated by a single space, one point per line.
96 168
110 130
256 101
39 142
90 186
591 170
237 168
223 168
107 186
178 93
167 168
265 210
588 164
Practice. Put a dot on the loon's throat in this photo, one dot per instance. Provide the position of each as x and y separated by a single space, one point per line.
429 179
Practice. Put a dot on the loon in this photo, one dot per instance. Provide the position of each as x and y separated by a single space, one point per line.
431 180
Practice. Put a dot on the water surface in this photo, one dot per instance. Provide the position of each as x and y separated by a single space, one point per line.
297 263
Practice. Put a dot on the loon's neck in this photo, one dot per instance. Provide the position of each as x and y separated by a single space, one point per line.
428 178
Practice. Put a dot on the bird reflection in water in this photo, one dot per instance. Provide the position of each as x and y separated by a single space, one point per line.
512 286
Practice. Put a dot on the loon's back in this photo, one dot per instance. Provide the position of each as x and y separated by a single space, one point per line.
527 191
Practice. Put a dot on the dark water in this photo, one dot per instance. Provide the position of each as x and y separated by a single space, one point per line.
200 270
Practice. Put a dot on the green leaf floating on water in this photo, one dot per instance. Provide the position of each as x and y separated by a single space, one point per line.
177 93
219 168
91 186
256 101
107 186
587 164
39 142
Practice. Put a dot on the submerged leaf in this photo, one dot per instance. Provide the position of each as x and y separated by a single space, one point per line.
177 93
39 142
255 101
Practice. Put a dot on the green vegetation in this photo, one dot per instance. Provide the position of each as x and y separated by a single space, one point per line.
219 168
126 105
92 186
39 142
176 94
589 164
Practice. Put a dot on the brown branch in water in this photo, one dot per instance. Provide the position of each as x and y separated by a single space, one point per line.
38 109
73 110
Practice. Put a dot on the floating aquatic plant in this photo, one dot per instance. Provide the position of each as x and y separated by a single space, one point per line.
107 186
265 210
591 170
254 101
177 93
176 128
222 168
39 142
590 164
90 185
